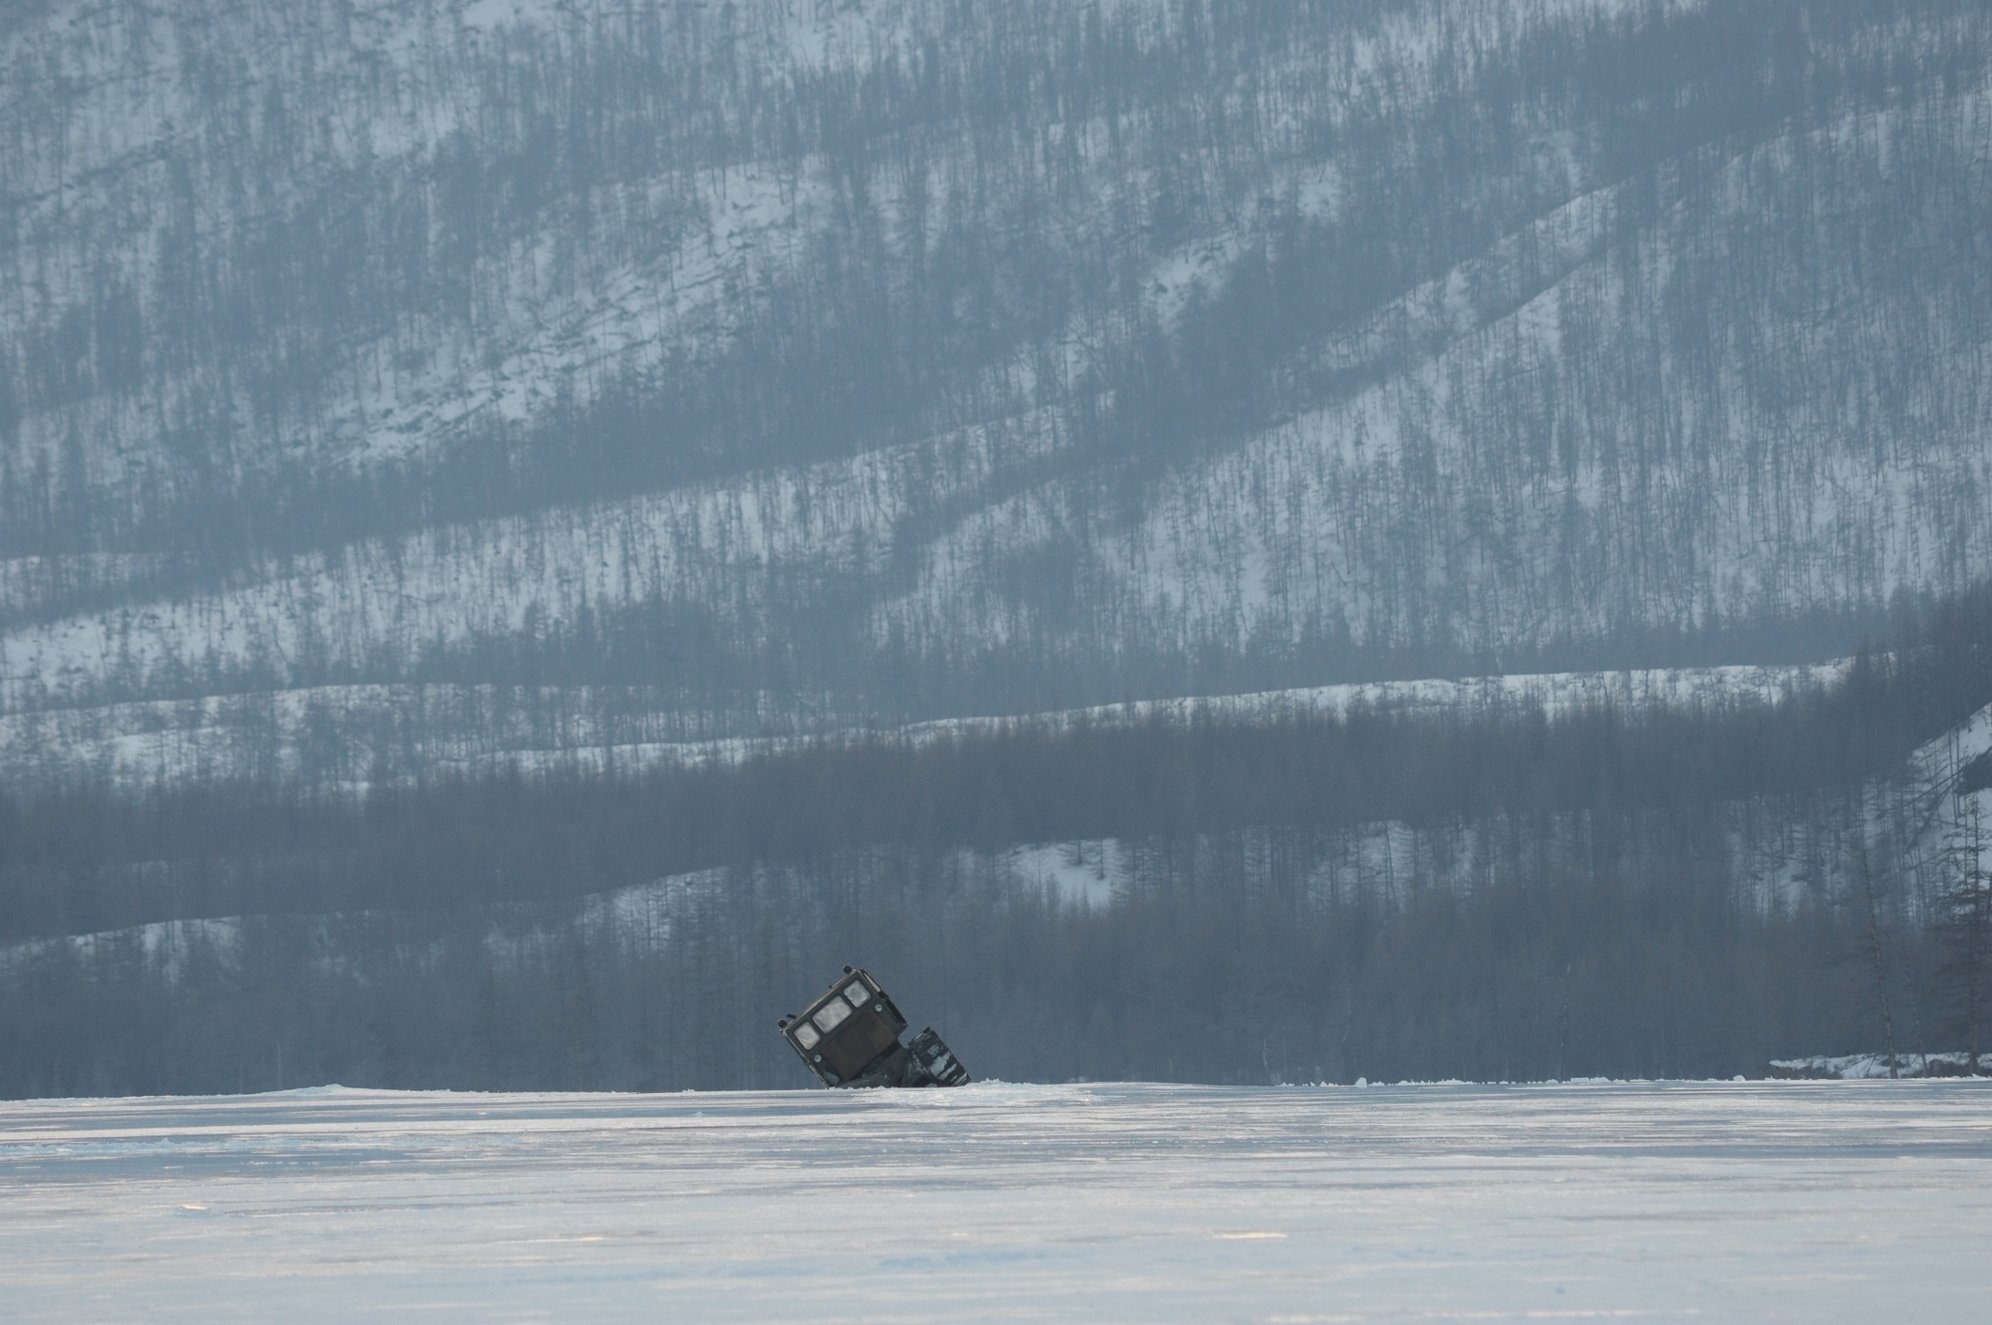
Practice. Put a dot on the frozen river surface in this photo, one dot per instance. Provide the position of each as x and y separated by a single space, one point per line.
1850 1201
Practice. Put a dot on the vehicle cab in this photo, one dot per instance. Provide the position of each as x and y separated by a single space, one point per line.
850 1037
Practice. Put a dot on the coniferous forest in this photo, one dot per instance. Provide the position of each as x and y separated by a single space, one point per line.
1675 891
1299 540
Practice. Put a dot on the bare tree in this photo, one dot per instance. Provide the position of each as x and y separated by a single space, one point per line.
1878 967
1966 923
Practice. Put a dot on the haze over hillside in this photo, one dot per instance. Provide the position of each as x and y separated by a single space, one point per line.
519 515
807 363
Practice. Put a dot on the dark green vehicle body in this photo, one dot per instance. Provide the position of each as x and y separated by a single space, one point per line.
850 1037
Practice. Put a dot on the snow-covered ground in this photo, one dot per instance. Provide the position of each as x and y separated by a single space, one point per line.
1871 1067
1801 1201
341 736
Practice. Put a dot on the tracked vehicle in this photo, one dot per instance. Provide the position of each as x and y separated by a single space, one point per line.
850 1037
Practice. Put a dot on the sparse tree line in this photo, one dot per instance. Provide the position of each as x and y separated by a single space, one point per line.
1504 894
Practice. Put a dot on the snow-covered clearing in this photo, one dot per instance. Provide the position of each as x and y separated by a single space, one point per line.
1762 1201
344 736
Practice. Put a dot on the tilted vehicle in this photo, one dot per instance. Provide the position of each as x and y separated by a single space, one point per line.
850 1037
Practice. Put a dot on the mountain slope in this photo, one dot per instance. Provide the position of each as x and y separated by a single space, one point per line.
811 364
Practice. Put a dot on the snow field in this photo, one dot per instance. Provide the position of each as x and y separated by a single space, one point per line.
1760 1201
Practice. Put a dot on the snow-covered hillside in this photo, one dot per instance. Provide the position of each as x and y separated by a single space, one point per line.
522 522
347 738
792 367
